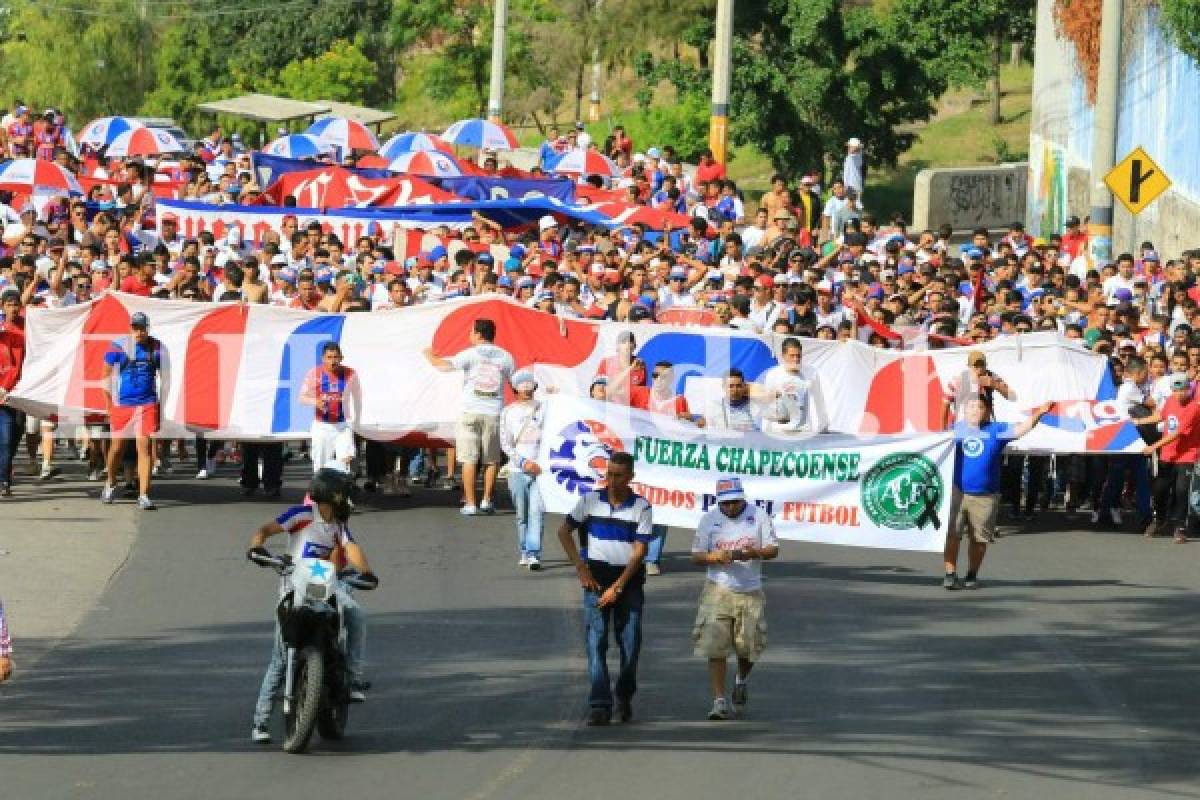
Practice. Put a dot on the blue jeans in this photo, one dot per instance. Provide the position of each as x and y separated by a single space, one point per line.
12 429
625 619
1118 467
655 548
527 501
356 647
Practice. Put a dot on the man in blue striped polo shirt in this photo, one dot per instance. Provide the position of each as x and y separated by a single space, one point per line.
614 526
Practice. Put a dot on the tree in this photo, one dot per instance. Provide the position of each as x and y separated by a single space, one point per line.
1181 20
342 74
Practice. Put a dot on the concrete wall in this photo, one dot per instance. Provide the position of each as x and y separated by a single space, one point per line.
1157 110
970 197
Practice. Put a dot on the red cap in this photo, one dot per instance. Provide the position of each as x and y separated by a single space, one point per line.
765 280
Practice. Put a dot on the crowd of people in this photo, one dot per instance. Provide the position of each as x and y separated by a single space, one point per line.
808 260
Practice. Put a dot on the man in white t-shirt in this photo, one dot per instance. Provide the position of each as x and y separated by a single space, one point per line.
488 368
732 540
793 394
1122 280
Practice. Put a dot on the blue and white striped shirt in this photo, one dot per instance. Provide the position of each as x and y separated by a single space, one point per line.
611 531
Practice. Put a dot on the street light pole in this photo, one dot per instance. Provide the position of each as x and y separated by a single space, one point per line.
499 40
1104 134
718 129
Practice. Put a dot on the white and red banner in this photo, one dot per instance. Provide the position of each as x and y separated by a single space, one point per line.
237 369
335 187
868 491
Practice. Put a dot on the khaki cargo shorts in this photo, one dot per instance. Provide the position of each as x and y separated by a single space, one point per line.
974 515
730 622
477 440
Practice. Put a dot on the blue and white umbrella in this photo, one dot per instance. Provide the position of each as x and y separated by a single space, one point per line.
412 142
426 163
101 132
297 145
482 134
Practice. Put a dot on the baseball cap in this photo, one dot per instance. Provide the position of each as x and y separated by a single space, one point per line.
486 258
545 294
854 141
512 265
678 274
504 281
765 281
523 379
526 282
1150 255
1123 295
653 152
437 253
547 222
139 320
729 489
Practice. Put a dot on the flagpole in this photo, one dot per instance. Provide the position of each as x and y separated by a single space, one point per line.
499 40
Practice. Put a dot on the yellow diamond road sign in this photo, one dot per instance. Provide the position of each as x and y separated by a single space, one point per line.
1137 181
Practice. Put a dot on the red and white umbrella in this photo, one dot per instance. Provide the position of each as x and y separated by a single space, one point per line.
480 133
426 162
411 141
144 142
30 175
100 132
348 134
586 162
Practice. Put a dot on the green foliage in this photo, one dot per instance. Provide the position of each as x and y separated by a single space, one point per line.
1181 20
952 37
342 74
683 124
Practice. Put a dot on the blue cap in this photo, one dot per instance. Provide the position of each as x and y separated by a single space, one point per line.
505 282
545 294
904 269
1123 295
437 252
377 268
512 265
486 258
526 282
411 262
965 287
876 291
974 252
139 320
730 489
517 251
324 276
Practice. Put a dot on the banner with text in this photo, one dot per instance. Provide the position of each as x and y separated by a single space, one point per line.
891 492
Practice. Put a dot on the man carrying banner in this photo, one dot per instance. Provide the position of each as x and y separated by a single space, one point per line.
520 435
978 453
736 412
487 369
732 540
794 392
614 526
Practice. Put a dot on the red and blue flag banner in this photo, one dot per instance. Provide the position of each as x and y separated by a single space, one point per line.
237 370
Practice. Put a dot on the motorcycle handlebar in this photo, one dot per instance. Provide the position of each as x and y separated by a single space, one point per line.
365 581
264 559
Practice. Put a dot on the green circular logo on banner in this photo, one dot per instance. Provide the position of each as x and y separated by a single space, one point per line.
903 491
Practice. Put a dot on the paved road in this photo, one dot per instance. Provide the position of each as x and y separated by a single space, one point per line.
1071 674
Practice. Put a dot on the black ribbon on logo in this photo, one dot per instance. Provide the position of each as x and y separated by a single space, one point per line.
929 500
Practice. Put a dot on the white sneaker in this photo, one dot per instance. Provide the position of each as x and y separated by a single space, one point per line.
720 709
469 511
156 470
260 735
94 475
146 504
524 562
108 495
202 475
487 508
535 564
1095 517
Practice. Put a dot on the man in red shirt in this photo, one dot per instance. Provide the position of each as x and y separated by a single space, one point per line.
141 282
708 169
1178 449
307 296
12 422
660 396
1074 240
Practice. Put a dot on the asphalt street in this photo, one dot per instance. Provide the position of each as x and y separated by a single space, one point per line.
1071 673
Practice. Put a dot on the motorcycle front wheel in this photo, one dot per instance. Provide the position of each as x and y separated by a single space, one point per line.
298 725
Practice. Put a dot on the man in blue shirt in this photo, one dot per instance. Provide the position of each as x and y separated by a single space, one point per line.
136 362
615 526
979 444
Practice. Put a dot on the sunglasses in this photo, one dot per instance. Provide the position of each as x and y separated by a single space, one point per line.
83 286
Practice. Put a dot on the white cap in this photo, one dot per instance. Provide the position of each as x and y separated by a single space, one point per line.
638 158
279 258
854 141
547 222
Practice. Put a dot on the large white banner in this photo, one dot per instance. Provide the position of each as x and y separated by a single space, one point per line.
874 491
236 370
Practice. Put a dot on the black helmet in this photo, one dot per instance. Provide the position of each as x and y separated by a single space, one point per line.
333 486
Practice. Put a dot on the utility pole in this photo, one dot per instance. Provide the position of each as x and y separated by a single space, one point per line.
594 100
499 40
718 129
1104 134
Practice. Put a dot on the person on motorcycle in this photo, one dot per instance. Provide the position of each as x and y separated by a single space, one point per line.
316 529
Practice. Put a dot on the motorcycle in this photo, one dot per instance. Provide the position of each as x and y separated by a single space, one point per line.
316 693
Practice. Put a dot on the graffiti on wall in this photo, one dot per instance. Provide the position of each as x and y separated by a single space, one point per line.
1047 187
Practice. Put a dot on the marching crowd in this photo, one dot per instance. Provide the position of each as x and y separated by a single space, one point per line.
808 261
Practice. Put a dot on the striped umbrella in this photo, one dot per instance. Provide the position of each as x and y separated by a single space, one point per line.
144 142
411 141
348 134
423 162
297 145
482 134
101 132
586 162
30 175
